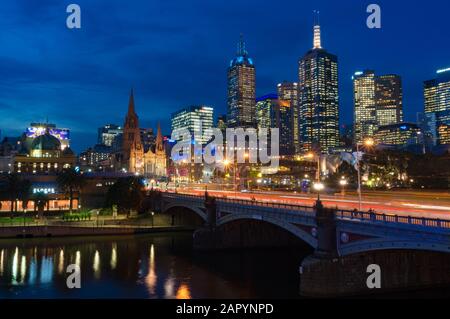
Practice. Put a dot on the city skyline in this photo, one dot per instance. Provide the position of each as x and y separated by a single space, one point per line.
94 75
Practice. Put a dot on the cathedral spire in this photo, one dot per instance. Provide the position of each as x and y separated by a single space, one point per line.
131 103
159 139
317 39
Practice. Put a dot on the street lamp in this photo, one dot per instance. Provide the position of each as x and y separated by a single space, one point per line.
153 219
343 182
318 187
368 143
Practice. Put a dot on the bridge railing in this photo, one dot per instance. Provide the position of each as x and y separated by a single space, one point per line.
276 205
386 218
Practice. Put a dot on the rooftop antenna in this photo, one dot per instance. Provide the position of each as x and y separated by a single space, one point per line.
317 39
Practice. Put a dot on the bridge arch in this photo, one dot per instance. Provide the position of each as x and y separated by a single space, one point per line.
391 244
291 229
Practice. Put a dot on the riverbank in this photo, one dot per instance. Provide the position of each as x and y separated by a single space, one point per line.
77 231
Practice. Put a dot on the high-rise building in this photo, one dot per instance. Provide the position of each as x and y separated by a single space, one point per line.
197 119
288 91
365 114
272 112
389 99
318 98
241 90
437 102
378 101
108 133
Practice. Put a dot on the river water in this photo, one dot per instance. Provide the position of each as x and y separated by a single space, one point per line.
147 266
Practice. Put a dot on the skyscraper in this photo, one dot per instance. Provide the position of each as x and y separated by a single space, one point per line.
196 119
389 99
318 98
378 101
288 91
272 112
241 90
437 104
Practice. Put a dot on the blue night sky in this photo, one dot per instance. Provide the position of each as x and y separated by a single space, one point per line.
175 53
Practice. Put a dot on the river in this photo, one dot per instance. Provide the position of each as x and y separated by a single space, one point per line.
148 266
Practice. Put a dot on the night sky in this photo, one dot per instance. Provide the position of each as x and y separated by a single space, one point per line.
175 53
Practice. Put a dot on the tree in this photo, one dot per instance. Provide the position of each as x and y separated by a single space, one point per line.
127 193
17 188
70 182
40 202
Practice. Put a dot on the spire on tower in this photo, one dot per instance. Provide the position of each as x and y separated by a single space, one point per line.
241 47
159 139
317 39
131 103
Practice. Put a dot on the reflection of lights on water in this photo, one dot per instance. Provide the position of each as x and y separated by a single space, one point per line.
183 292
23 269
61 262
169 287
33 272
14 266
46 270
96 265
2 255
151 278
114 256
78 258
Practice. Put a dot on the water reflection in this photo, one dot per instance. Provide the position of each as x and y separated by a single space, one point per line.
158 266
96 265
151 278
113 261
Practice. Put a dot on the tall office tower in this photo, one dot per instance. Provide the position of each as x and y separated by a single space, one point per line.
389 99
437 105
318 98
272 112
288 91
365 115
241 90
378 101
108 133
197 119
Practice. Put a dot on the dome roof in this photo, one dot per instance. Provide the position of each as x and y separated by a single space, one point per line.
46 142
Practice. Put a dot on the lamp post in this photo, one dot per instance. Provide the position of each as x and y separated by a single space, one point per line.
368 143
343 182
153 219
318 187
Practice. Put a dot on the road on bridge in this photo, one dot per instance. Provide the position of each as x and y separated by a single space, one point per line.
407 203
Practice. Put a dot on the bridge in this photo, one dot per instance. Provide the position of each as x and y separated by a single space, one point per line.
331 232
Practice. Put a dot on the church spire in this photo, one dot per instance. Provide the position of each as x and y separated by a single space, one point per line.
131 103
317 39
159 139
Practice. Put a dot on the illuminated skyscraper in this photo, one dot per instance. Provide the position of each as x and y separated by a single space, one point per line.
389 99
437 104
288 91
196 119
272 112
241 90
318 98
365 115
378 101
